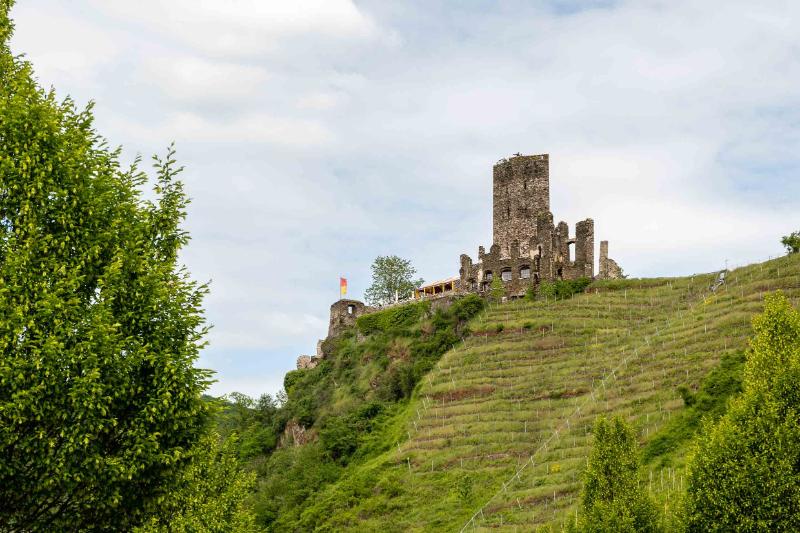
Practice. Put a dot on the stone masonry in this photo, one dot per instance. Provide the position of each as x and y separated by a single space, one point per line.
609 269
528 247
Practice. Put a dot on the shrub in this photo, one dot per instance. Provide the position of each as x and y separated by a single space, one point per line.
467 307
393 319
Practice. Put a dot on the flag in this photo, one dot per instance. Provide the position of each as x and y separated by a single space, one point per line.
343 286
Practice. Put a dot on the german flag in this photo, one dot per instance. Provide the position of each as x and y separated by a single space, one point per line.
343 286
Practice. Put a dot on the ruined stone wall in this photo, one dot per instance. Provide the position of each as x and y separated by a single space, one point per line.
608 268
344 314
584 248
520 193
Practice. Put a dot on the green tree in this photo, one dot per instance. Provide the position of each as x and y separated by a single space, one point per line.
210 494
745 471
496 290
792 242
391 275
612 501
100 404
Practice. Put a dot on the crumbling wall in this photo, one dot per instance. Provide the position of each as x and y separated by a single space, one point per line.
584 248
608 268
344 314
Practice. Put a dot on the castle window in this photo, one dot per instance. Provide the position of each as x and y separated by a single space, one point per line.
473 284
525 184
571 252
560 273
488 275
525 272
351 309
508 212
505 274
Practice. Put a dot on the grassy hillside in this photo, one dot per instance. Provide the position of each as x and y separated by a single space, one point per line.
497 433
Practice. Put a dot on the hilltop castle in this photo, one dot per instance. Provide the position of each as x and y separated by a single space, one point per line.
527 247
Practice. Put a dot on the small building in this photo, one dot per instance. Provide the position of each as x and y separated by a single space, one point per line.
438 288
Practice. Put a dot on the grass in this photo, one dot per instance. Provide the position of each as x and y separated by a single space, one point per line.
508 412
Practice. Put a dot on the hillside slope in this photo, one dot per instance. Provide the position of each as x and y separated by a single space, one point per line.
498 432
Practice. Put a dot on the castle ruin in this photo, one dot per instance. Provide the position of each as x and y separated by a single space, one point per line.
527 246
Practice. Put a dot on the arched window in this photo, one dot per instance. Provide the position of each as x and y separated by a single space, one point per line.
560 273
472 284
488 275
524 272
505 274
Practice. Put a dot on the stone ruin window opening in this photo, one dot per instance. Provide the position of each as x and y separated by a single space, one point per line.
508 212
472 284
571 251
525 184
560 273
505 274
351 309
488 275
524 272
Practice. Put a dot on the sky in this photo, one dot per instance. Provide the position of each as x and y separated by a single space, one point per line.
319 134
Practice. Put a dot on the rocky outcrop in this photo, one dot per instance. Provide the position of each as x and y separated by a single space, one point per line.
295 434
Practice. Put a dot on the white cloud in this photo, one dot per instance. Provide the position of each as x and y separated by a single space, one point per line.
197 80
65 48
187 127
318 101
245 27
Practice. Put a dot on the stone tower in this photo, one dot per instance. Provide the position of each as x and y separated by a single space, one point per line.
521 194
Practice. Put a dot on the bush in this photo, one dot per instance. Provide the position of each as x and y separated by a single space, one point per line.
744 473
393 319
467 307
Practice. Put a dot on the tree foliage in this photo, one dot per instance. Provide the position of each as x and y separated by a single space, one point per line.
612 500
792 242
745 472
100 404
391 275
211 494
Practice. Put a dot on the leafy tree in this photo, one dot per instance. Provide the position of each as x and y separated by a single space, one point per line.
391 275
611 499
496 289
100 404
210 495
745 471
792 242
547 290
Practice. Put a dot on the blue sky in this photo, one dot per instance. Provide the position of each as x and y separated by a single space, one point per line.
318 134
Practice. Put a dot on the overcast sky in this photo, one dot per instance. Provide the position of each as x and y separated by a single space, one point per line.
318 134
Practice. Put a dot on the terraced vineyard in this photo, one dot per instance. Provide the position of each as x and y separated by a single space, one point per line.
499 433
